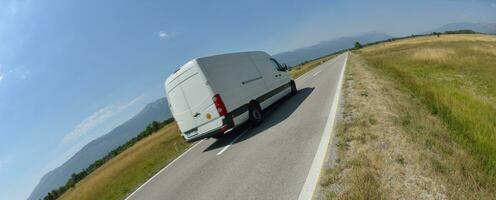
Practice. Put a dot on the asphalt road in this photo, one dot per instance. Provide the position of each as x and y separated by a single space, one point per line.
271 161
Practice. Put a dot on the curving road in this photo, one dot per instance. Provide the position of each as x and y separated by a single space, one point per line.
275 160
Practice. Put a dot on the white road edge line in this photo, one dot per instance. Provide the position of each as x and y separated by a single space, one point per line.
316 73
232 142
306 75
163 169
310 184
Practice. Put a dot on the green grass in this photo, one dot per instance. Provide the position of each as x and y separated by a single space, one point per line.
389 137
455 78
124 173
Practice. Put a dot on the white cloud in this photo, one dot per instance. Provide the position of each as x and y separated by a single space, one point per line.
97 118
21 72
2 75
132 102
163 34
90 122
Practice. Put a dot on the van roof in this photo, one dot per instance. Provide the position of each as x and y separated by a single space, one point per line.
229 54
181 70
188 65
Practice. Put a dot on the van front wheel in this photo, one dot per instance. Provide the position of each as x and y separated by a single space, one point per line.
293 88
256 115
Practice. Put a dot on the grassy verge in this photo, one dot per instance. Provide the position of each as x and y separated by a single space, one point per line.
455 77
417 121
125 172
303 68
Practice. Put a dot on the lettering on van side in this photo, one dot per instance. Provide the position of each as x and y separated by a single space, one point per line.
251 80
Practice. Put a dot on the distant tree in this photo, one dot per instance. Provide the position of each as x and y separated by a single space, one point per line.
50 196
463 31
436 34
358 45
155 126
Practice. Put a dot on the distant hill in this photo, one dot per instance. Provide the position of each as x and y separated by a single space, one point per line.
488 28
98 148
300 55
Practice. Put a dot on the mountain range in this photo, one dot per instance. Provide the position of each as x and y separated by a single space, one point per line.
324 48
98 148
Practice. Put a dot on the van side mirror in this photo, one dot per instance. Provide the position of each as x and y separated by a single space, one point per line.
285 67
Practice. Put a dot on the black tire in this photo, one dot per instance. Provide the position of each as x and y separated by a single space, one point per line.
294 90
256 114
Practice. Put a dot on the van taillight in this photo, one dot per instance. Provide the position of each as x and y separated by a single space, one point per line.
221 108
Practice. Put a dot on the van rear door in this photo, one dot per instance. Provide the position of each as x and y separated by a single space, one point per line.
199 98
180 109
191 100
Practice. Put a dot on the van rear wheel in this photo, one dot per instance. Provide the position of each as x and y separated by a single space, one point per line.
293 88
255 112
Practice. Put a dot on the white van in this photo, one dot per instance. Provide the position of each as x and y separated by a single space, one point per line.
211 95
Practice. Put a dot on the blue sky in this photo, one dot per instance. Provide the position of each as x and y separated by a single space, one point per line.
71 71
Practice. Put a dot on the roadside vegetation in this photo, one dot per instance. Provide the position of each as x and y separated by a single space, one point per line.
419 121
122 174
455 77
126 167
77 177
306 66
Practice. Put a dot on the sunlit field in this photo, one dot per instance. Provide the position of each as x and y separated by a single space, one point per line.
455 78
419 119
124 173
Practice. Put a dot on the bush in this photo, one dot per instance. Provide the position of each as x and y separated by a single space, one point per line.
358 45
463 31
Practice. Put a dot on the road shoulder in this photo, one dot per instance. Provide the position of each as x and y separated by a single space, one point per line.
376 156
310 185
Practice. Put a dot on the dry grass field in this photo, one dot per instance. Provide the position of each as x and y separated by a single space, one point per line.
419 121
125 172
455 77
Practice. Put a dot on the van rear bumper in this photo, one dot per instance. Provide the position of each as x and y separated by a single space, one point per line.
227 123
202 136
